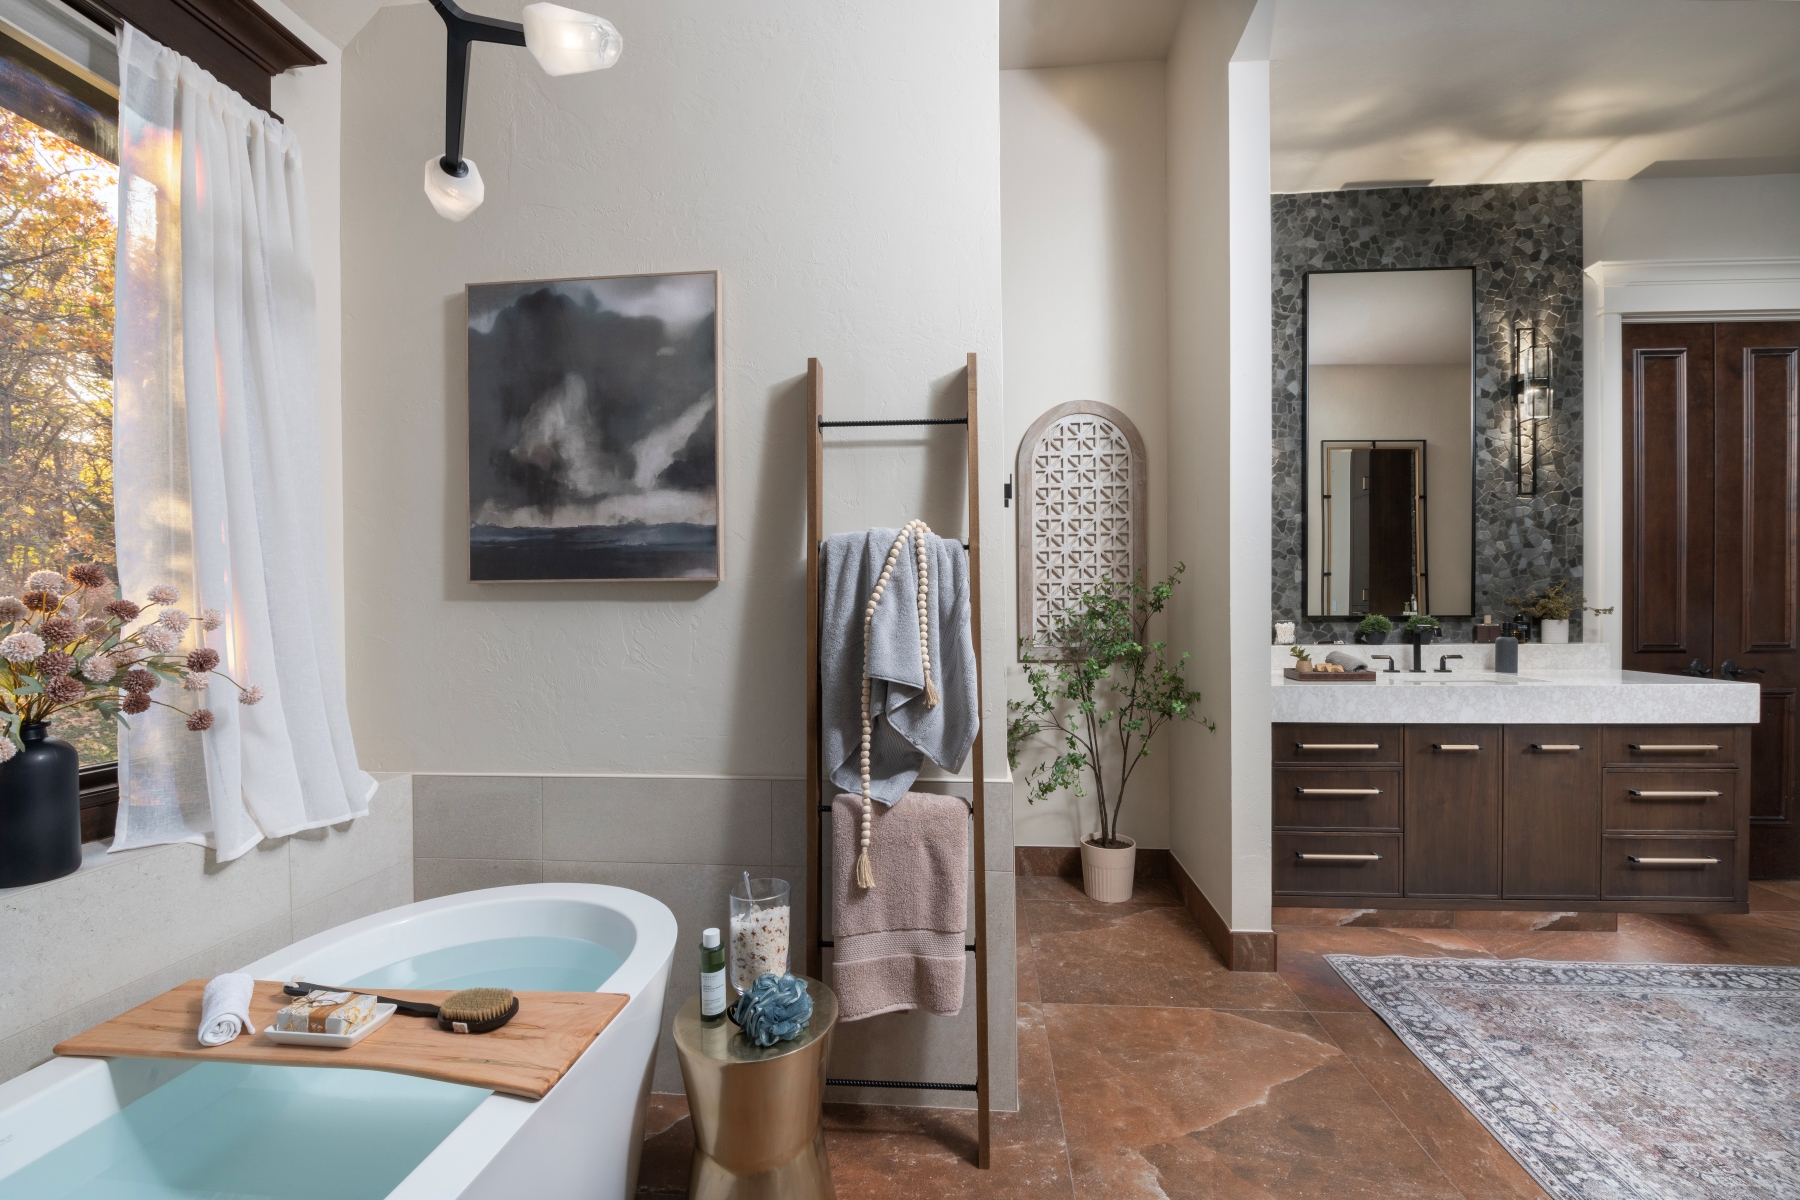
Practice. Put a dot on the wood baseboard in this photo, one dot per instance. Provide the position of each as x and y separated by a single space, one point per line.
1241 949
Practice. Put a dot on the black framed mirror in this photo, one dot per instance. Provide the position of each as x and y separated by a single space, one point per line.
1388 404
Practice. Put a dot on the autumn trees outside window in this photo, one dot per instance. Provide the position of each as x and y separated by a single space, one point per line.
58 197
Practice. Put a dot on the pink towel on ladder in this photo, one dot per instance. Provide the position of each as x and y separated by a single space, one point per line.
899 944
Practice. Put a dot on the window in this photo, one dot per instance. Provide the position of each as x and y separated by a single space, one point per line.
58 188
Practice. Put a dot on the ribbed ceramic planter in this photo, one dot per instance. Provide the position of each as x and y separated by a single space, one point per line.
1554 633
1107 875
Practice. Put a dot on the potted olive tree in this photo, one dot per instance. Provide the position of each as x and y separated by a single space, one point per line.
1374 630
1103 701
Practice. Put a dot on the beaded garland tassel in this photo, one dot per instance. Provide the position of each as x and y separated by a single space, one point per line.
918 531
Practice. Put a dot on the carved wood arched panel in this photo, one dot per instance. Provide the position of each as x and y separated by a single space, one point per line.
1082 488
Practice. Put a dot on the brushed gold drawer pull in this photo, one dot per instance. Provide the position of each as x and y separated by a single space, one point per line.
1673 862
1452 746
1304 857
1549 748
1671 749
1338 791
1337 745
1673 795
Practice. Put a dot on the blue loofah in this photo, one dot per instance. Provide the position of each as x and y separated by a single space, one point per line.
775 1009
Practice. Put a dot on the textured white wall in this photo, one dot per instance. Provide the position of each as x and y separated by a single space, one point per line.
1084 200
839 165
1750 216
1214 522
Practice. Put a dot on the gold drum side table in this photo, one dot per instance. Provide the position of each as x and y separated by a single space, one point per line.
756 1112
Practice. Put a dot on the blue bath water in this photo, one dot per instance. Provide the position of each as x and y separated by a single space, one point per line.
227 1132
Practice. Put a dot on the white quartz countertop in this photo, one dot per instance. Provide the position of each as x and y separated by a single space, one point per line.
1532 697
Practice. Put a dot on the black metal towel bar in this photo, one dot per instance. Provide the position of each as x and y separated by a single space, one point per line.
897 1083
824 424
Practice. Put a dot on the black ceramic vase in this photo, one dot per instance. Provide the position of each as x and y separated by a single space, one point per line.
1372 637
40 809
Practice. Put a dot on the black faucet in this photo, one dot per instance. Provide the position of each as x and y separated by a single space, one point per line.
1391 668
1442 669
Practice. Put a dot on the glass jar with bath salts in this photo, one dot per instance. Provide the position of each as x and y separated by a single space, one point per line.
759 931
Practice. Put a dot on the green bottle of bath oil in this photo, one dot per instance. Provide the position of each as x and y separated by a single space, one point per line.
712 976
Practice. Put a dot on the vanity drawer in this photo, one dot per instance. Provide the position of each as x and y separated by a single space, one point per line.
1670 745
1666 868
1704 801
1337 864
1337 798
1357 744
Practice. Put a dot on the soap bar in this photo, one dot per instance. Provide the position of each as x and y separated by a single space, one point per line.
326 1012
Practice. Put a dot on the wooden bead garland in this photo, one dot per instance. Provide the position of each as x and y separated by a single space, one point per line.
918 531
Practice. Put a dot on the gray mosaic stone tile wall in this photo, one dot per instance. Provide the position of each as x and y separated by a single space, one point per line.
1524 242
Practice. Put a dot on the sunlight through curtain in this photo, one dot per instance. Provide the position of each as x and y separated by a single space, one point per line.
216 462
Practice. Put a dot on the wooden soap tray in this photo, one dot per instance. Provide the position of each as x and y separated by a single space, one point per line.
525 1057
1328 676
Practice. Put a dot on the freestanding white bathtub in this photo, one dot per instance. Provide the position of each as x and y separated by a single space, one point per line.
151 1129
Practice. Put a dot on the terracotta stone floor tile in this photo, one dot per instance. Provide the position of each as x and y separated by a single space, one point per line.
881 1153
1300 951
1181 1102
1121 954
1768 898
1144 893
1174 1077
668 1148
1457 1142
1770 939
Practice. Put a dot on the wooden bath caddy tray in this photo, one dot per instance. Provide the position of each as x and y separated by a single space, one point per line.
525 1057
1328 676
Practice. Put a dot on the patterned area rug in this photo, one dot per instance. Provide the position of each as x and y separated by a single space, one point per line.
1611 1081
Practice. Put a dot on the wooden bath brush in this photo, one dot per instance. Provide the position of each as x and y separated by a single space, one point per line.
472 1010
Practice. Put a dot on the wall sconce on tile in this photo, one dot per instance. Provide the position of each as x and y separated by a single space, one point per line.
1534 396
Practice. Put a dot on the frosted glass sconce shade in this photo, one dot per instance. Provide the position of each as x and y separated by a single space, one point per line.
1537 372
566 41
454 196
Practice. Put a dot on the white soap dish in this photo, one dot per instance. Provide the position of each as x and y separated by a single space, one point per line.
333 1041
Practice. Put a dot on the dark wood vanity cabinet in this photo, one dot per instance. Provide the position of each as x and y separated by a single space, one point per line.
1516 816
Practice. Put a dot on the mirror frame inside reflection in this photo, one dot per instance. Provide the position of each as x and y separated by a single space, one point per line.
1398 373
1357 578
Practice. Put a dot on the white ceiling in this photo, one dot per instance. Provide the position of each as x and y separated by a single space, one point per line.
1395 318
1496 91
1068 33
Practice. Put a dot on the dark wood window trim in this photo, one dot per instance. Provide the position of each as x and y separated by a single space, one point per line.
99 801
243 46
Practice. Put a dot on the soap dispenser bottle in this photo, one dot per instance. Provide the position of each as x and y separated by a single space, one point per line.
712 976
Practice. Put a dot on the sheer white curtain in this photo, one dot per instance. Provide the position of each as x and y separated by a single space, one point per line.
216 462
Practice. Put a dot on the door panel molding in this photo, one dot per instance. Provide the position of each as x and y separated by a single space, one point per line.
1771 406
1672 625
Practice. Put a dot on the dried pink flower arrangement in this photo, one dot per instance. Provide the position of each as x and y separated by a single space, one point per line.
63 644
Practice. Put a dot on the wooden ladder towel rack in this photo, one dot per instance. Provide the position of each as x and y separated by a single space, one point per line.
816 805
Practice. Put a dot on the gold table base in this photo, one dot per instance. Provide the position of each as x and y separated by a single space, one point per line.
755 1112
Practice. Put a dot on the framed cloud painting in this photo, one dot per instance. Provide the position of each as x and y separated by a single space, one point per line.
594 428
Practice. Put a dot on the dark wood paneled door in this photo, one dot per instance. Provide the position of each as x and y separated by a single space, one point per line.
1712 535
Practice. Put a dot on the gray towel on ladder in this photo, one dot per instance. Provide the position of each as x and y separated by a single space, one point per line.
905 731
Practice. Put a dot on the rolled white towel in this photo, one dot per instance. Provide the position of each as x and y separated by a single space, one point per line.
225 1008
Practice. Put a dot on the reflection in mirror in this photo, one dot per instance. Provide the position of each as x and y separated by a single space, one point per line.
1373 526
1389 387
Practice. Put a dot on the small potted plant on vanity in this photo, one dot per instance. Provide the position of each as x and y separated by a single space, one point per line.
1374 630
1421 628
1104 700
1552 608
